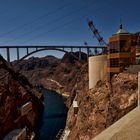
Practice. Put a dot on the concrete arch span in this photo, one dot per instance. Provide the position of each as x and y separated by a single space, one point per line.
44 49
33 52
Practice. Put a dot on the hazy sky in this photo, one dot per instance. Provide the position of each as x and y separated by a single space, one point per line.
56 22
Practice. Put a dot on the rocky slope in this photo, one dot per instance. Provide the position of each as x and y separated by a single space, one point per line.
15 91
102 106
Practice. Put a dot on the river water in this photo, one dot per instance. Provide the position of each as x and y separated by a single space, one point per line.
54 116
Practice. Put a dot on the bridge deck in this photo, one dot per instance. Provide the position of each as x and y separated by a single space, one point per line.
44 46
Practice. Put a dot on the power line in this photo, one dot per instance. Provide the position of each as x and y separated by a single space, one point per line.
54 21
35 20
63 25
56 27
16 17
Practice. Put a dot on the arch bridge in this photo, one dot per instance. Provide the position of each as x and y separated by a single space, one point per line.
58 48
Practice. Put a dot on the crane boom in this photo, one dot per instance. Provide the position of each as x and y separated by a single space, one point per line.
96 33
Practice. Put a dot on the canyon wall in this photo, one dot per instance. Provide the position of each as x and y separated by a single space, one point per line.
16 91
99 107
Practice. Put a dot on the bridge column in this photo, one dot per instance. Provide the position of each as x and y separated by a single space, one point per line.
103 50
71 49
8 54
80 54
95 51
17 53
87 52
27 50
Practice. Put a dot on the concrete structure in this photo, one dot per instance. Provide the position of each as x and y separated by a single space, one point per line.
17 134
97 69
75 106
65 135
121 51
139 89
36 49
127 128
26 108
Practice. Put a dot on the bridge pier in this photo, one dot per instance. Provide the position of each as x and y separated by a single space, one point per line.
80 54
71 49
17 53
95 51
8 54
87 52
27 50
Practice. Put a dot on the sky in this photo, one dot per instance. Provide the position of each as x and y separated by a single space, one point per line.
63 22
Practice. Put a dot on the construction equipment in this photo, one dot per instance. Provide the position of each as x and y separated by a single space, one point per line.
96 33
98 37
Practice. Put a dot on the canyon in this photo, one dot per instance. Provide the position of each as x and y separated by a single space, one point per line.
98 108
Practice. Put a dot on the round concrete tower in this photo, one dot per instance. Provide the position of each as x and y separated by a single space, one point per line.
97 69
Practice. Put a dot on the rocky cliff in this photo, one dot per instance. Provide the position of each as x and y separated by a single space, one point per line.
102 106
16 91
51 72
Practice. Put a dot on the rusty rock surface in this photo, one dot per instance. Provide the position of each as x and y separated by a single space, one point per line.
102 106
15 91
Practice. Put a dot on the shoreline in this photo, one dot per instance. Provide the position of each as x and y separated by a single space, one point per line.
56 87
57 91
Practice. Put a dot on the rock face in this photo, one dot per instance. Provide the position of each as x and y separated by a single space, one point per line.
51 72
102 106
15 91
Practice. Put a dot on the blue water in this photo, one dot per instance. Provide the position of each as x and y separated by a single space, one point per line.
54 116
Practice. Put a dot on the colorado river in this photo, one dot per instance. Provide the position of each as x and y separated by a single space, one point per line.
54 116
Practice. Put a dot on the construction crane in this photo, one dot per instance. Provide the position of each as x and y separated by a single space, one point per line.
96 33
